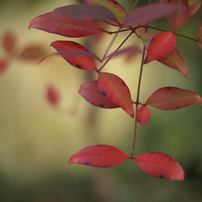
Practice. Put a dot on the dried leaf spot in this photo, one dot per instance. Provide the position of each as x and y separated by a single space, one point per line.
104 93
78 66
86 163
161 176
102 106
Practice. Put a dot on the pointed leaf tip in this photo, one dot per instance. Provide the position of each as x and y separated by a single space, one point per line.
160 165
99 156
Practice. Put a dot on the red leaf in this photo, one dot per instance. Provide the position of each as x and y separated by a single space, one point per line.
3 66
178 18
83 12
99 156
32 52
79 61
115 89
9 41
161 45
171 98
200 37
150 13
143 115
134 50
194 6
175 61
58 24
160 165
92 94
113 6
52 95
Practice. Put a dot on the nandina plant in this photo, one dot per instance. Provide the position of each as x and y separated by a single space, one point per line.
109 90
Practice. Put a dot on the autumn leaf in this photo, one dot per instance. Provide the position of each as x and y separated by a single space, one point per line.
92 94
178 18
175 61
143 115
99 156
3 66
171 98
9 41
80 61
115 89
61 25
161 45
160 165
194 6
52 95
150 13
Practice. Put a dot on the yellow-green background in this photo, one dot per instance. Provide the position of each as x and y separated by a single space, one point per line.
37 140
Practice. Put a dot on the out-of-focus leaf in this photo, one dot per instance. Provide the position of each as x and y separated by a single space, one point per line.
9 41
61 25
32 52
115 89
3 66
175 61
52 95
160 165
146 38
150 13
161 45
99 156
143 115
79 61
92 94
194 6
113 6
83 12
129 50
171 98
178 18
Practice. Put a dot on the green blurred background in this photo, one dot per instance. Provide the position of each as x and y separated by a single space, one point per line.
37 140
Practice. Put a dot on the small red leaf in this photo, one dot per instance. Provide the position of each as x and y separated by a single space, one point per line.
143 115
58 24
178 18
160 165
161 45
83 12
79 61
194 6
115 89
150 13
9 41
32 52
113 6
3 66
92 94
171 98
52 95
200 37
175 61
99 156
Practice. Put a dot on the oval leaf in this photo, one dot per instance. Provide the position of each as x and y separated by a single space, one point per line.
150 13
3 66
9 41
161 45
175 61
143 115
92 94
115 89
194 6
32 52
79 61
178 18
58 24
160 165
113 6
52 95
99 156
84 12
171 98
